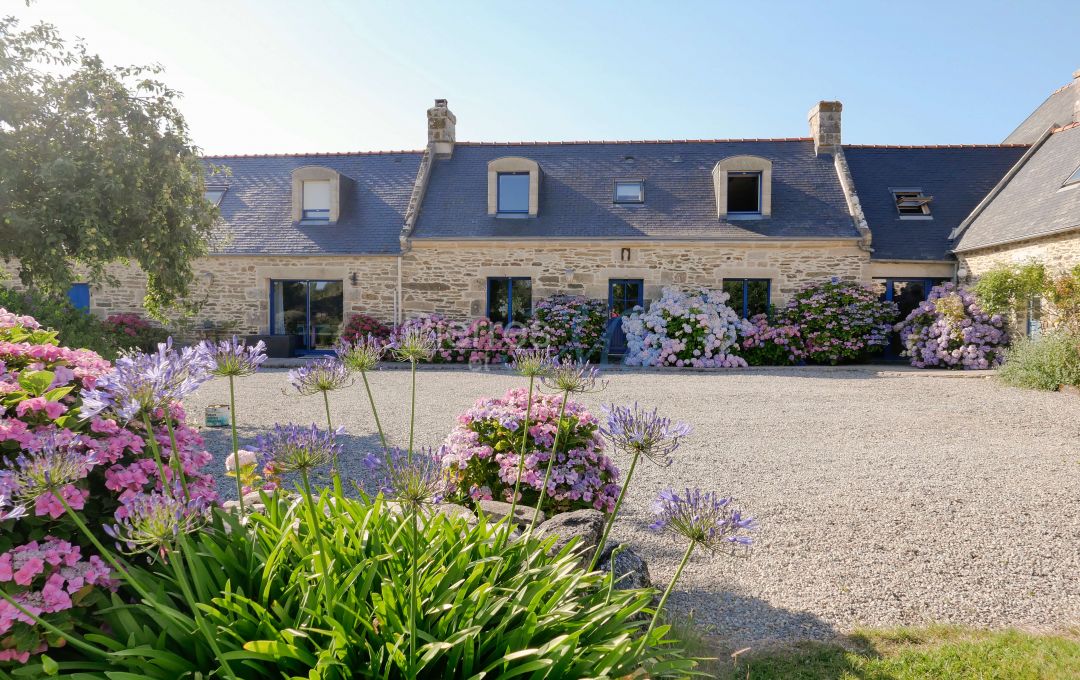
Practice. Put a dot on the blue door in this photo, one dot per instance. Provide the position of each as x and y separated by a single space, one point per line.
79 295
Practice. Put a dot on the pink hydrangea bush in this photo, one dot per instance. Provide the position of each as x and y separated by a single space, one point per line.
839 320
40 388
949 329
476 342
361 325
682 328
571 326
765 344
481 454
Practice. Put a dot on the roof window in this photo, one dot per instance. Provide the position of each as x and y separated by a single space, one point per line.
214 195
629 191
912 203
1073 178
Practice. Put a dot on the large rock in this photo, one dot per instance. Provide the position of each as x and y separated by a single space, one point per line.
584 525
630 569
496 510
451 510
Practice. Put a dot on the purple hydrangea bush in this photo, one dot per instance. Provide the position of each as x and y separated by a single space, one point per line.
949 329
684 328
839 321
480 341
571 326
766 344
68 438
481 454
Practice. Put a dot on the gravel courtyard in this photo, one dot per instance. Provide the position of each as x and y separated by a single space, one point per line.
884 498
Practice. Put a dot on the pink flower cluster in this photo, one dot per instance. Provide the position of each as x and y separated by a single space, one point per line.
10 320
479 341
764 344
360 326
481 454
46 409
950 330
839 320
51 576
128 324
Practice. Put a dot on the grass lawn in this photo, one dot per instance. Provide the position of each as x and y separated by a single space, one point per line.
932 653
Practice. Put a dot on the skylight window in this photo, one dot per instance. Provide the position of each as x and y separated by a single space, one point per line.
214 196
912 203
1073 178
629 191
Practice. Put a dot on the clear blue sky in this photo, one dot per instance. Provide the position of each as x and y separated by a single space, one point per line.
293 76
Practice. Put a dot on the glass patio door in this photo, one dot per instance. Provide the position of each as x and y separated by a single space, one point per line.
313 311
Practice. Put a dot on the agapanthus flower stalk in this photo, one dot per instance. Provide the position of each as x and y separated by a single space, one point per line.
703 519
639 432
294 448
532 364
363 355
568 377
413 345
153 522
47 468
413 483
235 359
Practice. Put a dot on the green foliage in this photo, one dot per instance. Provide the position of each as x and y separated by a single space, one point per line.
74 327
96 166
1044 363
1063 292
939 652
485 607
1008 287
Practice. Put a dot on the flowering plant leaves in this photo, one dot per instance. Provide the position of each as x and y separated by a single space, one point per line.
36 382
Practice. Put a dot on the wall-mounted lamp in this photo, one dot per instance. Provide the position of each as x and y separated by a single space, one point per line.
353 278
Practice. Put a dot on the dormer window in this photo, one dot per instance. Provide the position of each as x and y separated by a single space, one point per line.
316 195
912 203
316 201
513 193
214 195
743 186
513 187
744 193
629 191
1073 178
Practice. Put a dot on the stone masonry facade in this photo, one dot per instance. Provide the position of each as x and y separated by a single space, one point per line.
1059 253
451 277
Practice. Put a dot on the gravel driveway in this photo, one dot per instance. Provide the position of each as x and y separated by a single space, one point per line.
883 499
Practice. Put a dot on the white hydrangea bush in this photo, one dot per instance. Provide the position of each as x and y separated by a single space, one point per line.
685 328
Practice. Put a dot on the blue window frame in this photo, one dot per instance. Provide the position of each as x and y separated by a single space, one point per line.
509 300
513 193
744 193
748 297
624 295
79 296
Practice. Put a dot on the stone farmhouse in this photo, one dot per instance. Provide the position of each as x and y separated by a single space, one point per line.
472 229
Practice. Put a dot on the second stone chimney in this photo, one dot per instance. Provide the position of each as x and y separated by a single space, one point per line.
441 123
824 121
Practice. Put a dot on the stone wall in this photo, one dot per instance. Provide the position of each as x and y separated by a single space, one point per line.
451 277
237 289
1059 253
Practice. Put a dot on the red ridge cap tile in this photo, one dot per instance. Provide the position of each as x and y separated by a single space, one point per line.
935 146
638 141
313 154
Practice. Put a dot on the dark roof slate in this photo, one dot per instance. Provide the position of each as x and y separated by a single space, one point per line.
958 177
1033 203
257 207
577 183
1056 110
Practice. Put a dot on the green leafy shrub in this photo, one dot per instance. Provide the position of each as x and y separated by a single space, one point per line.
839 321
1044 363
1007 287
75 328
571 326
487 606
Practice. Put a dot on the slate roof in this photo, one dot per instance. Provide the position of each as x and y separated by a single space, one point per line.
1056 110
257 207
958 177
576 192
1033 202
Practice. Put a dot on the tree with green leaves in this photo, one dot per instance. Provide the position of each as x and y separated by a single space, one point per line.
96 167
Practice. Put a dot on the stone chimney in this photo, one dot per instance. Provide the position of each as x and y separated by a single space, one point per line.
441 123
825 126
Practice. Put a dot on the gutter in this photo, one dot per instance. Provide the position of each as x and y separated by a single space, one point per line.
639 241
1000 186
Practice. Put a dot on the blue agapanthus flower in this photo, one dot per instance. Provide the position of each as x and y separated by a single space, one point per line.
234 357
413 480
704 518
295 448
142 383
325 374
639 431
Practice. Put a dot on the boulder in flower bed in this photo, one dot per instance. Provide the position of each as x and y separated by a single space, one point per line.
496 510
630 569
585 526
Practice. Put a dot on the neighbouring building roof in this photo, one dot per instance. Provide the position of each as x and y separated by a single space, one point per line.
957 177
1032 202
680 202
1056 110
257 207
